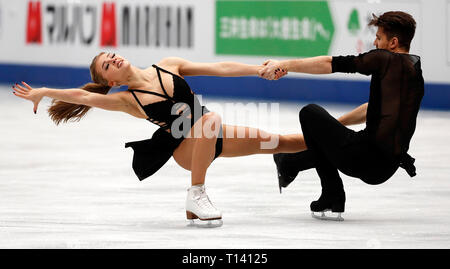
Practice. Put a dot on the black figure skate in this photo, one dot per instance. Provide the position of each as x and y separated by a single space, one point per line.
285 175
327 203
290 164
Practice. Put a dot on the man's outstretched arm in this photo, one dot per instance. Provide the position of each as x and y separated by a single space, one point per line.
273 69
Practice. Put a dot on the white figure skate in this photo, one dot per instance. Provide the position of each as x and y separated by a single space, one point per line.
200 208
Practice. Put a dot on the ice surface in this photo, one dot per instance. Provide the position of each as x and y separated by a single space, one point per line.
72 186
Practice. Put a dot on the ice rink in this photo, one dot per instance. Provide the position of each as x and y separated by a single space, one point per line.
72 186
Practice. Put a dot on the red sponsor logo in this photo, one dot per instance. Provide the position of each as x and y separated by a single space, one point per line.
108 25
34 30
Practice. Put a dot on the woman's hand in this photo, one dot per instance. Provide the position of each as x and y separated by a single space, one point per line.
28 93
272 70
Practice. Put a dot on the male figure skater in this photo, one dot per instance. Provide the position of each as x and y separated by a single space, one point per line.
375 153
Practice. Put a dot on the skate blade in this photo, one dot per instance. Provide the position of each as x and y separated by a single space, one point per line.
205 223
323 216
281 182
283 179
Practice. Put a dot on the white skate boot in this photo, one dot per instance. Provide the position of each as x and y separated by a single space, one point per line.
198 206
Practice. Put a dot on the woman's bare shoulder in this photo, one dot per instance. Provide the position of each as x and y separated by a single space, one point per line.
129 104
170 61
172 64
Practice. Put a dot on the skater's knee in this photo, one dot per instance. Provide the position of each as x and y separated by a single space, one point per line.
210 126
307 112
212 117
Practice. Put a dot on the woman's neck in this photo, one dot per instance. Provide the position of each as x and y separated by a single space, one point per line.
138 78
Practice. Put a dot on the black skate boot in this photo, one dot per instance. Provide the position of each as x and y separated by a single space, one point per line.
290 164
328 202
285 175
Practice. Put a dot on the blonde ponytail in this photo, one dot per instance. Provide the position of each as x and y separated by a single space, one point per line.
60 111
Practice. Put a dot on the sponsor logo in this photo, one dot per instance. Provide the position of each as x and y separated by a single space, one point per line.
157 26
34 29
282 28
110 24
353 22
70 23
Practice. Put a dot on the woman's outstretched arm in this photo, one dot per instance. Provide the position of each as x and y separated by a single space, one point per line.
220 69
73 96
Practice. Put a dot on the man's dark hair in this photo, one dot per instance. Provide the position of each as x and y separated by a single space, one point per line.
396 24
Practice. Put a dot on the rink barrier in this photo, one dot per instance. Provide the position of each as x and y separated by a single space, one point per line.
291 89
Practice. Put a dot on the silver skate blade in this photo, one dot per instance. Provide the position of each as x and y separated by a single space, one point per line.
205 223
279 183
323 216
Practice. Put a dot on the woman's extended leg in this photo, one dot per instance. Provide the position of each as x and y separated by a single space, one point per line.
237 141
196 154
242 141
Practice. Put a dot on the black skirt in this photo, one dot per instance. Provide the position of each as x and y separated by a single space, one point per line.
151 154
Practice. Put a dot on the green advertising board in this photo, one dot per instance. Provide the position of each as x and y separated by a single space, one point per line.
277 28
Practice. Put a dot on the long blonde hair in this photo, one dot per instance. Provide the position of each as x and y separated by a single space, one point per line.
60 111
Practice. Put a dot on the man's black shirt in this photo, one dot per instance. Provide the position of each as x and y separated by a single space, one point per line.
396 91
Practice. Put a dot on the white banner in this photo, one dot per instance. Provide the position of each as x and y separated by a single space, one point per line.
72 32
448 32
351 18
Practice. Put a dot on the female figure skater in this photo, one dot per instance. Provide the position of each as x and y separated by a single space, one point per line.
161 95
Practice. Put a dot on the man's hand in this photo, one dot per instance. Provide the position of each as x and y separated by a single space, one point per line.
272 70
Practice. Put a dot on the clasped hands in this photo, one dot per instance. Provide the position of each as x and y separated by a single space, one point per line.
272 70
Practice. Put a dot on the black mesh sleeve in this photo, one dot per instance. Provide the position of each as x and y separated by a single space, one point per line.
365 63
344 64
